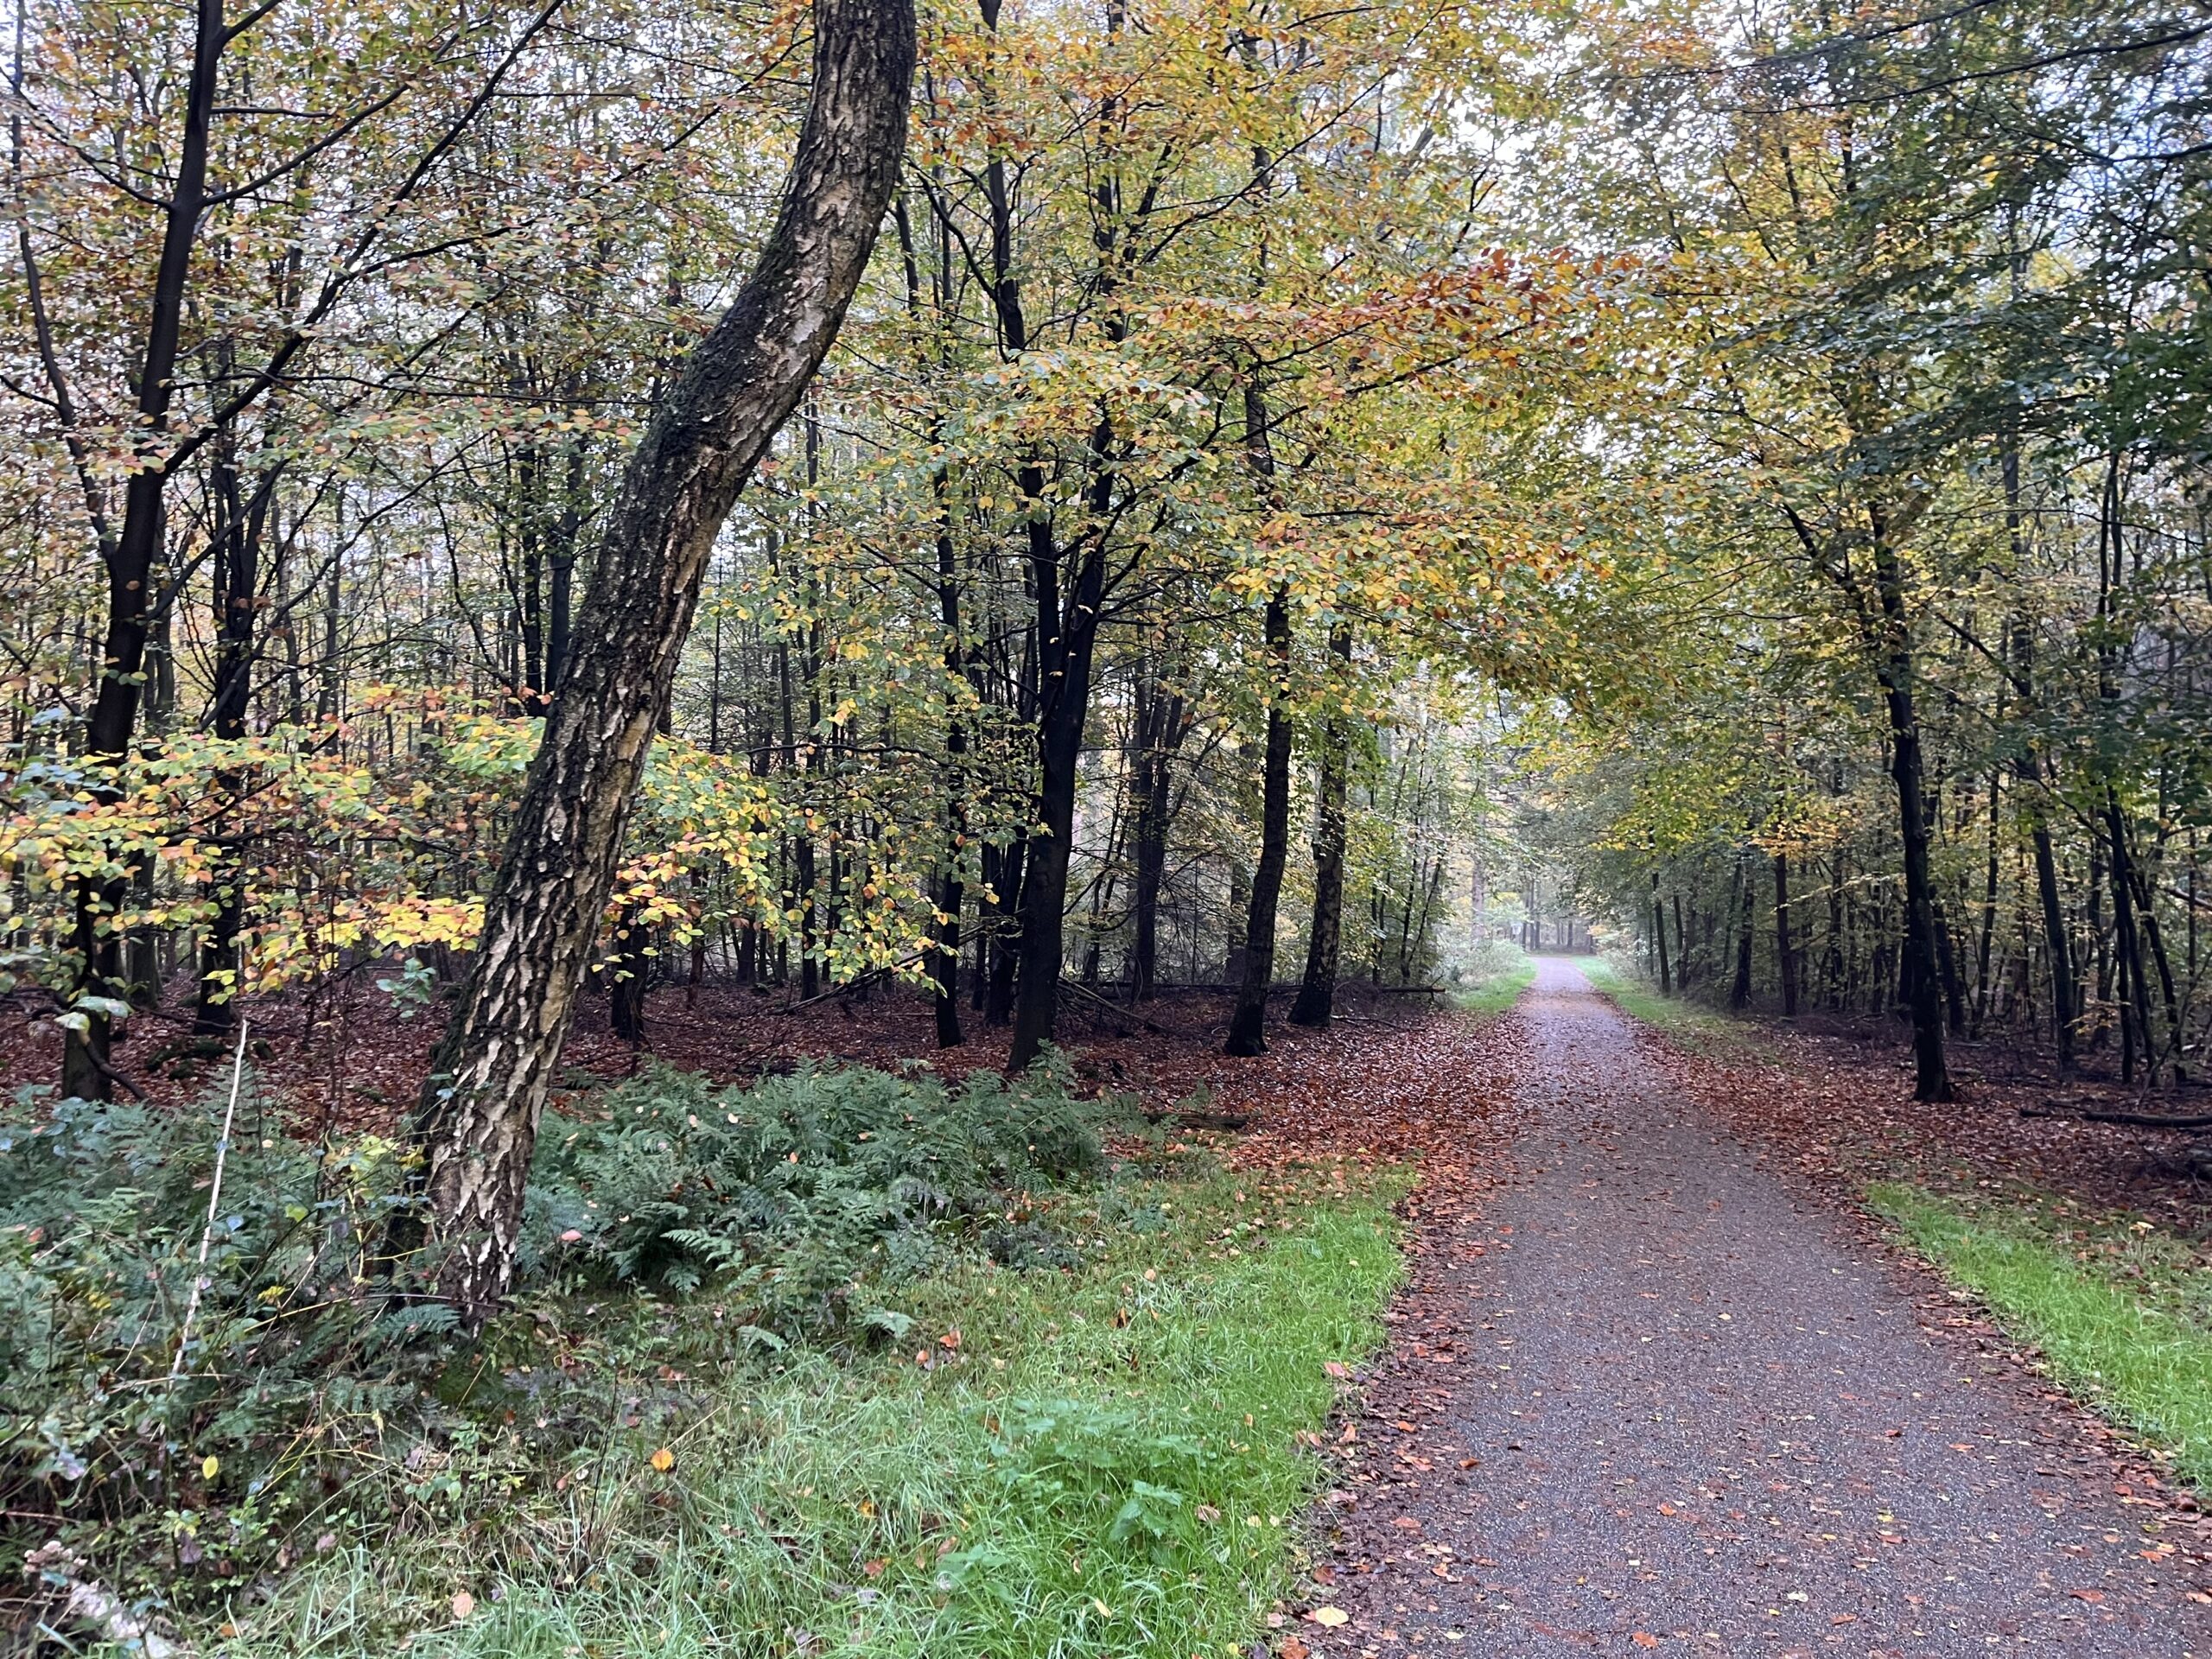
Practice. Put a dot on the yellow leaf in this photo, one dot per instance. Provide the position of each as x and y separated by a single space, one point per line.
209 1466
663 1460
1331 1616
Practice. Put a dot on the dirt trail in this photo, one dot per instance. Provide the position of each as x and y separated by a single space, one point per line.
1706 1420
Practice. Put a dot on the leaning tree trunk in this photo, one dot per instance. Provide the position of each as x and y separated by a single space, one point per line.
1248 1023
478 1122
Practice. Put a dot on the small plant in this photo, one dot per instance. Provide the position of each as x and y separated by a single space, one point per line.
412 989
113 1412
1105 1470
315 1394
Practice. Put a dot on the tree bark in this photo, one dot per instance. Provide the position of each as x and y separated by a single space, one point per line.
944 960
1005 955
945 969
1317 992
1067 628
1784 955
1162 721
131 554
235 563
1894 670
1240 900
1069 637
1739 992
478 1120
1983 986
629 970
2135 1036
1659 936
1247 1022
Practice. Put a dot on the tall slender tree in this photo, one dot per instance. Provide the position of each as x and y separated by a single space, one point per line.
478 1122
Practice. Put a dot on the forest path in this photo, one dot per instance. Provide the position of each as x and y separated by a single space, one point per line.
1708 1421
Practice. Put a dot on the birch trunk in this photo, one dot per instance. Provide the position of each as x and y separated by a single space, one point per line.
478 1120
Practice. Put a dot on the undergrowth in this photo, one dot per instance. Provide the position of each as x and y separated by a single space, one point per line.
2117 1312
1492 979
1102 1459
843 1363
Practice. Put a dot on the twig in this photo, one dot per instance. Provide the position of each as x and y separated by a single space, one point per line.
874 973
214 1199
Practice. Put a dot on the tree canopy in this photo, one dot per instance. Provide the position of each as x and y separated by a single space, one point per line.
1286 481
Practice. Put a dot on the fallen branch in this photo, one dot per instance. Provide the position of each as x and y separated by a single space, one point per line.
1114 1008
1199 1120
2139 1120
887 969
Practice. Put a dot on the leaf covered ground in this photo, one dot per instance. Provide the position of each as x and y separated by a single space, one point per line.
1089 1427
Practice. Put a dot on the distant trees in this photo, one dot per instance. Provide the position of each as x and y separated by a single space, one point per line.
1948 496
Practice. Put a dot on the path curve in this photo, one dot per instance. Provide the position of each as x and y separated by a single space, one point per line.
1702 1418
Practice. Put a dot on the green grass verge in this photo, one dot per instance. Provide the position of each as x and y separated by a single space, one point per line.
1496 980
1689 1023
2116 1310
1108 1463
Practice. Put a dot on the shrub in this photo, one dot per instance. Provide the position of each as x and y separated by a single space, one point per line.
802 1188
303 1371
294 1356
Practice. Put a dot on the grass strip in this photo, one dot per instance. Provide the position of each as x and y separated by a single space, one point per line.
1504 971
1689 1024
2144 1366
1104 1458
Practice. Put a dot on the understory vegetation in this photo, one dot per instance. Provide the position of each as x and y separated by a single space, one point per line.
1490 978
904 1366
2120 1314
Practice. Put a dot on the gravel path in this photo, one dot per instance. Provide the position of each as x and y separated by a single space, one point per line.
1642 1399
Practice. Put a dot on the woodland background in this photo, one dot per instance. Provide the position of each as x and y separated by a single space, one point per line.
1299 496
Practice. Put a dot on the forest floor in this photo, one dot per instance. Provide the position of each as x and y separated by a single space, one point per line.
1658 1384
1657 1379
355 1060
